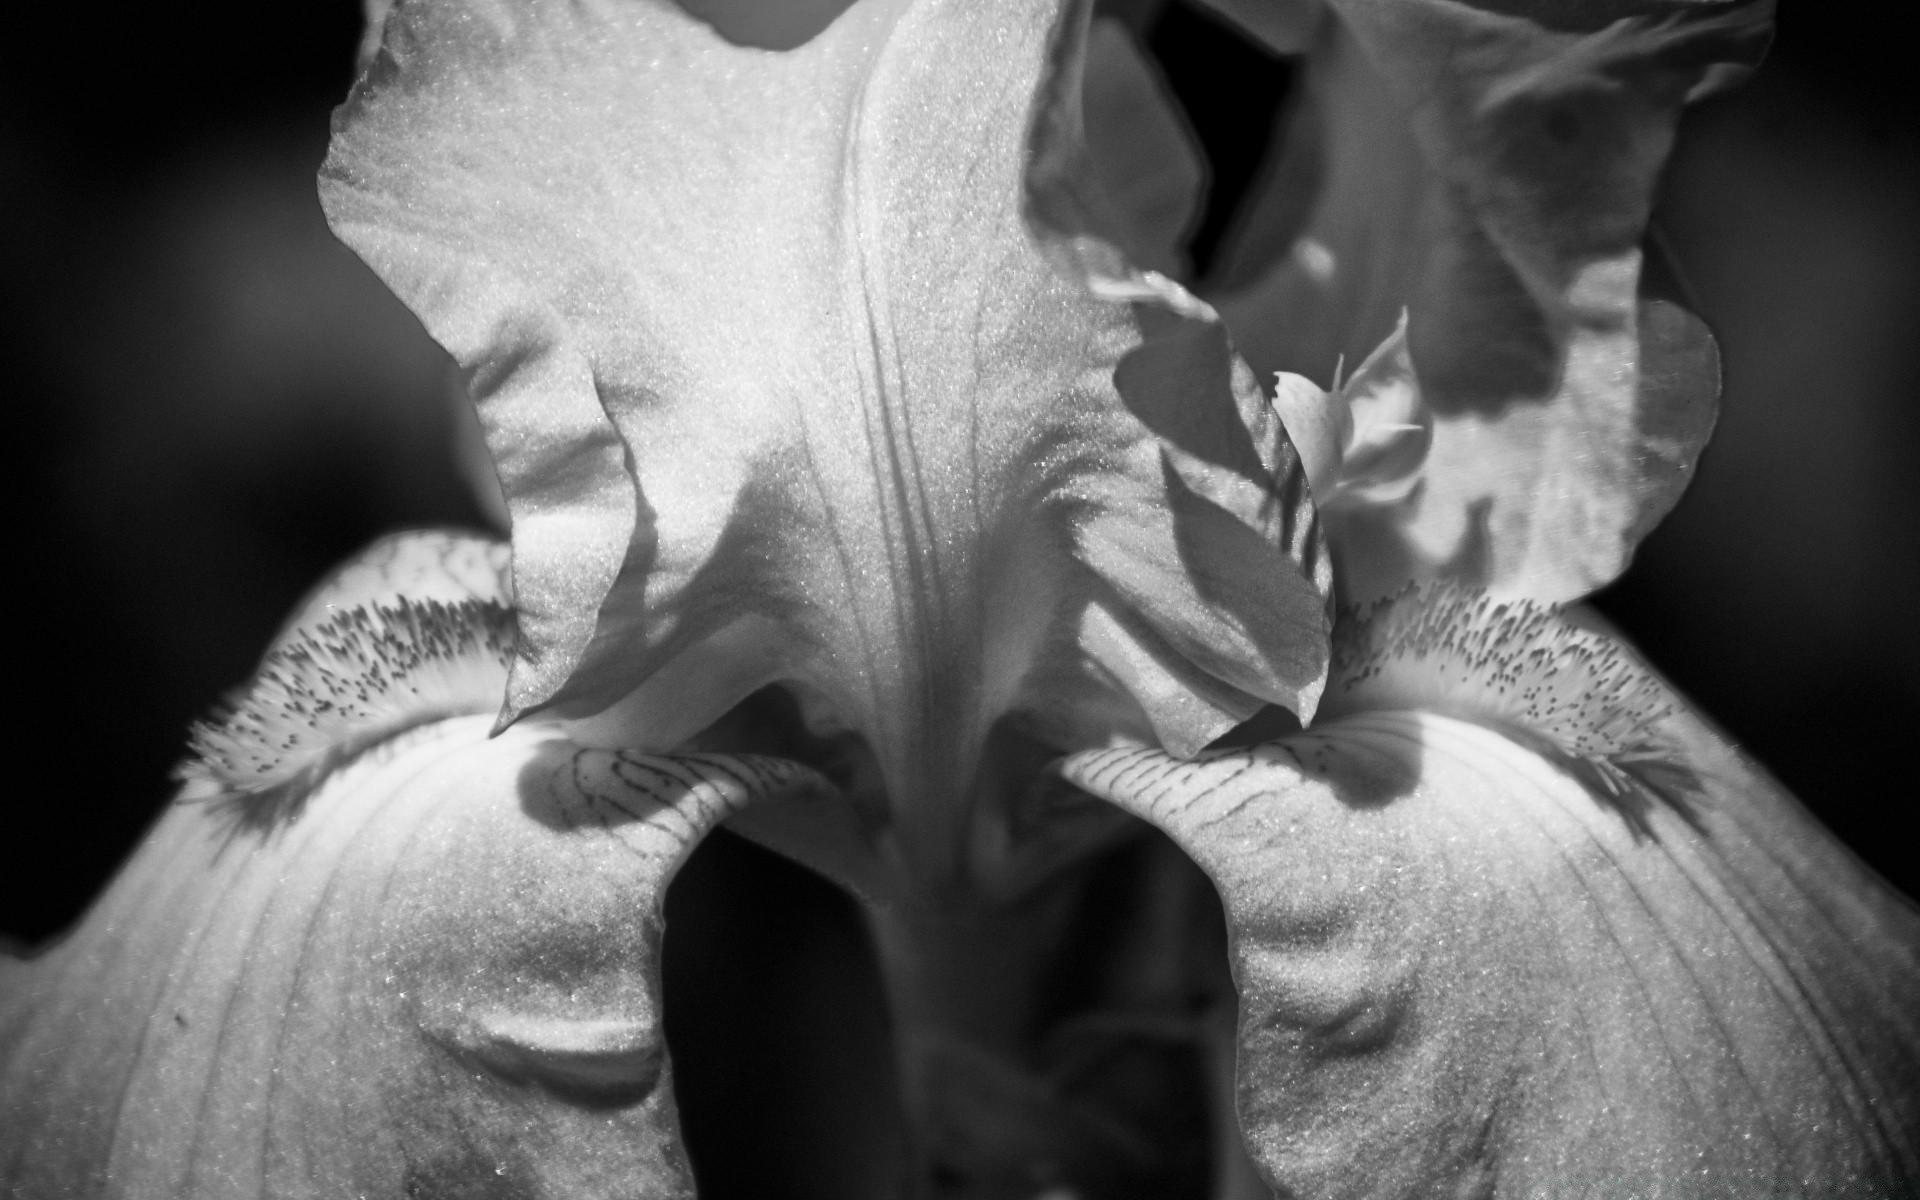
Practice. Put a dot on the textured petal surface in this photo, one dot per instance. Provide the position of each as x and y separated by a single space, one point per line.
1522 964
370 951
436 977
1489 168
821 367
416 627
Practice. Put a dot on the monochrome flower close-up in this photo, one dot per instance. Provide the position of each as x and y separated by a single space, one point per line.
1187 676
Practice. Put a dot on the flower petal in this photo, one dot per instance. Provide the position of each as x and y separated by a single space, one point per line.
1470 962
821 367
414 628
438 976
370 949
1490 170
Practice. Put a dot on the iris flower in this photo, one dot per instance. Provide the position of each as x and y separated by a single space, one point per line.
876 490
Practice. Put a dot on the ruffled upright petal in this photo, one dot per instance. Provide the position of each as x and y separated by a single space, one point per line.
1489 171
825 368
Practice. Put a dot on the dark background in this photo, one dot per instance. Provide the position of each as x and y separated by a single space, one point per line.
208 402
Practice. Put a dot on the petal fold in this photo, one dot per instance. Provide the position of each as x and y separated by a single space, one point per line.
1468 966
1489 169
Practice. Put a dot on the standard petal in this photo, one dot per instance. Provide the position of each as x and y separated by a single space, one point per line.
438 975
822 367
1475 963
1490 170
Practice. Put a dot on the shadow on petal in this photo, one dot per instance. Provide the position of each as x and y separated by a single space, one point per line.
1498 982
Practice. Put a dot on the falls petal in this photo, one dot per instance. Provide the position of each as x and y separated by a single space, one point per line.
437 976
1512 963
369 949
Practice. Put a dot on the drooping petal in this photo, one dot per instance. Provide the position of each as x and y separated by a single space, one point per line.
821 367
370 951
1565 941
1489 170
437 976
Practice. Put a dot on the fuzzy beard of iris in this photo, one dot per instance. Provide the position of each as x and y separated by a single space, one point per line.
1576 696
328 690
